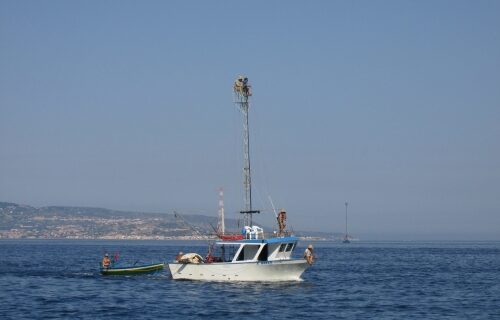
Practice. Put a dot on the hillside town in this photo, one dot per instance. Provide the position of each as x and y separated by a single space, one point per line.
26 222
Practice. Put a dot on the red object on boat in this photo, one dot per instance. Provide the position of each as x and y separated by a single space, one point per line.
231 237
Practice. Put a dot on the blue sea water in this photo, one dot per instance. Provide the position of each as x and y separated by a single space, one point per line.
383 280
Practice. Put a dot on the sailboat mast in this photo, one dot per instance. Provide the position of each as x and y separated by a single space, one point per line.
221 228
242 92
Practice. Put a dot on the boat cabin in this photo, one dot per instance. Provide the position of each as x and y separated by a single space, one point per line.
259 249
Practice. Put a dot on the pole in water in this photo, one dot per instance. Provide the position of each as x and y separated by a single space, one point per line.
346 238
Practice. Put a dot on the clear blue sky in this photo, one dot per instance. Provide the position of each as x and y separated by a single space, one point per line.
391 105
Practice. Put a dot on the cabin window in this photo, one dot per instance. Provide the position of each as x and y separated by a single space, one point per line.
241 256
248 252
263 254
282 247
251 252
232 252
289 247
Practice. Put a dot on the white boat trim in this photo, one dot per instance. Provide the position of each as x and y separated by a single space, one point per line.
263 271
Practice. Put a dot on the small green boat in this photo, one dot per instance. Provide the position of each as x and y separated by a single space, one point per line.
132 270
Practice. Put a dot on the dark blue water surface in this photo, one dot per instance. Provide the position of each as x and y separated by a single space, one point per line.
383 280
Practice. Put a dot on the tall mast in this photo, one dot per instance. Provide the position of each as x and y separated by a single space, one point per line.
242 92
221 228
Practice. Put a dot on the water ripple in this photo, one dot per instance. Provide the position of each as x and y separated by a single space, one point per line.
60 279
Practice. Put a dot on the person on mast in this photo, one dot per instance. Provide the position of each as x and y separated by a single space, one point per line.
242 87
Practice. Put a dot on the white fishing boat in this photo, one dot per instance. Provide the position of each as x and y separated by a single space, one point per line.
253 260
251 255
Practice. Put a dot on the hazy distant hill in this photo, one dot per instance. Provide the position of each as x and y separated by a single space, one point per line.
60 222
22 221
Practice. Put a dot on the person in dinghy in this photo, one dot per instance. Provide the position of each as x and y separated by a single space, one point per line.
106 261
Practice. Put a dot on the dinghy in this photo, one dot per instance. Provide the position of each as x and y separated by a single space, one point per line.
132 270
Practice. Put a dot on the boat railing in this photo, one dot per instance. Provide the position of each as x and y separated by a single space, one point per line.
264 235
276 234
253 236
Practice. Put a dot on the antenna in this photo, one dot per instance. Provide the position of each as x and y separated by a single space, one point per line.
242 91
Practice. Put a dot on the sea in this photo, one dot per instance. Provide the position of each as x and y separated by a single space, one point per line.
60 279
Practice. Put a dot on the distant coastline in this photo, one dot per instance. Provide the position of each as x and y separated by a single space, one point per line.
84 223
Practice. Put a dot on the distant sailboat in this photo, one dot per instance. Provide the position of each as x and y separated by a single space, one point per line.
346 237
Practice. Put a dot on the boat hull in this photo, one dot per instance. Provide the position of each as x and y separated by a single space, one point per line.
133 270
279 270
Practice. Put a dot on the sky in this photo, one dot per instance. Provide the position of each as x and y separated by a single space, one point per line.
393 106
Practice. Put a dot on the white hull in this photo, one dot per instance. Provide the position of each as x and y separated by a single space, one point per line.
280 270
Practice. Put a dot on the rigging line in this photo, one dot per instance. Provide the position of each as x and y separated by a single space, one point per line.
260 198
179 217
265 205
259 169
274 208
236 159
236 152
261 164
266 209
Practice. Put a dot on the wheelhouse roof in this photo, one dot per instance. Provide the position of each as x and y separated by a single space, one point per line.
260 241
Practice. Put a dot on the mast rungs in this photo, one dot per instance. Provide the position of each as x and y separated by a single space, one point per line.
250 211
